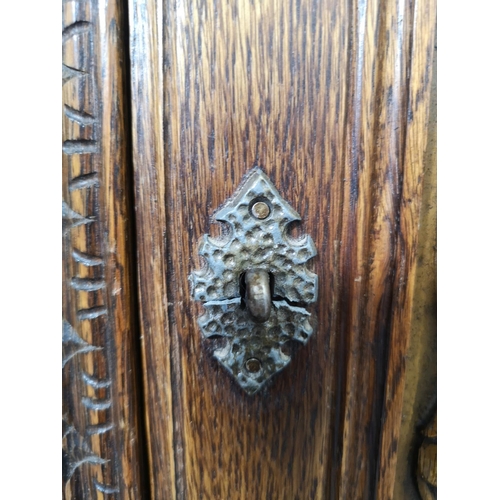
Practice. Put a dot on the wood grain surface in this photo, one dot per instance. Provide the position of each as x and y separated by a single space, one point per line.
420 393
101 396
331 100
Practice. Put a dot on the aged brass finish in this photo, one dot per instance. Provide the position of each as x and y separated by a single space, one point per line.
261 210
253 274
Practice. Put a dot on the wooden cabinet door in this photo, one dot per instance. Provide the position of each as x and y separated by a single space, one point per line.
330 99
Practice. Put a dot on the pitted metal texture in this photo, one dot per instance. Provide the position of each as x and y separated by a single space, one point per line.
256 243
257 237
248 340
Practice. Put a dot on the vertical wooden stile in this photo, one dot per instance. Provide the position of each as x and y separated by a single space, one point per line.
102 437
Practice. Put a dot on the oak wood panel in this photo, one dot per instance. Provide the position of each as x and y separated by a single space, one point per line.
421 361
101 398
419 67
147 128
330 100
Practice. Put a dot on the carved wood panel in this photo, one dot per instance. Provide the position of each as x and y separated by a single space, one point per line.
100 410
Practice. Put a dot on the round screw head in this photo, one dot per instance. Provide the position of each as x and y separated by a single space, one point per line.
252 365
260 210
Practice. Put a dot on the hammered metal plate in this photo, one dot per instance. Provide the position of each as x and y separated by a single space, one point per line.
253 352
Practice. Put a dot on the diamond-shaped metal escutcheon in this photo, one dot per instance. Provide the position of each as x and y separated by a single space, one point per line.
256 316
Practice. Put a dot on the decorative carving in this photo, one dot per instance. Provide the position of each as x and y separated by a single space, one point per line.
72 343
71 219
76 451
427 462
256 239
81 150
68 73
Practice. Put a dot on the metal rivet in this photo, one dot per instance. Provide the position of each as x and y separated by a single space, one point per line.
253 365
260 210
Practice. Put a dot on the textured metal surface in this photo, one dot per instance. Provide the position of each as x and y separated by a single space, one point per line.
249 340
256 239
